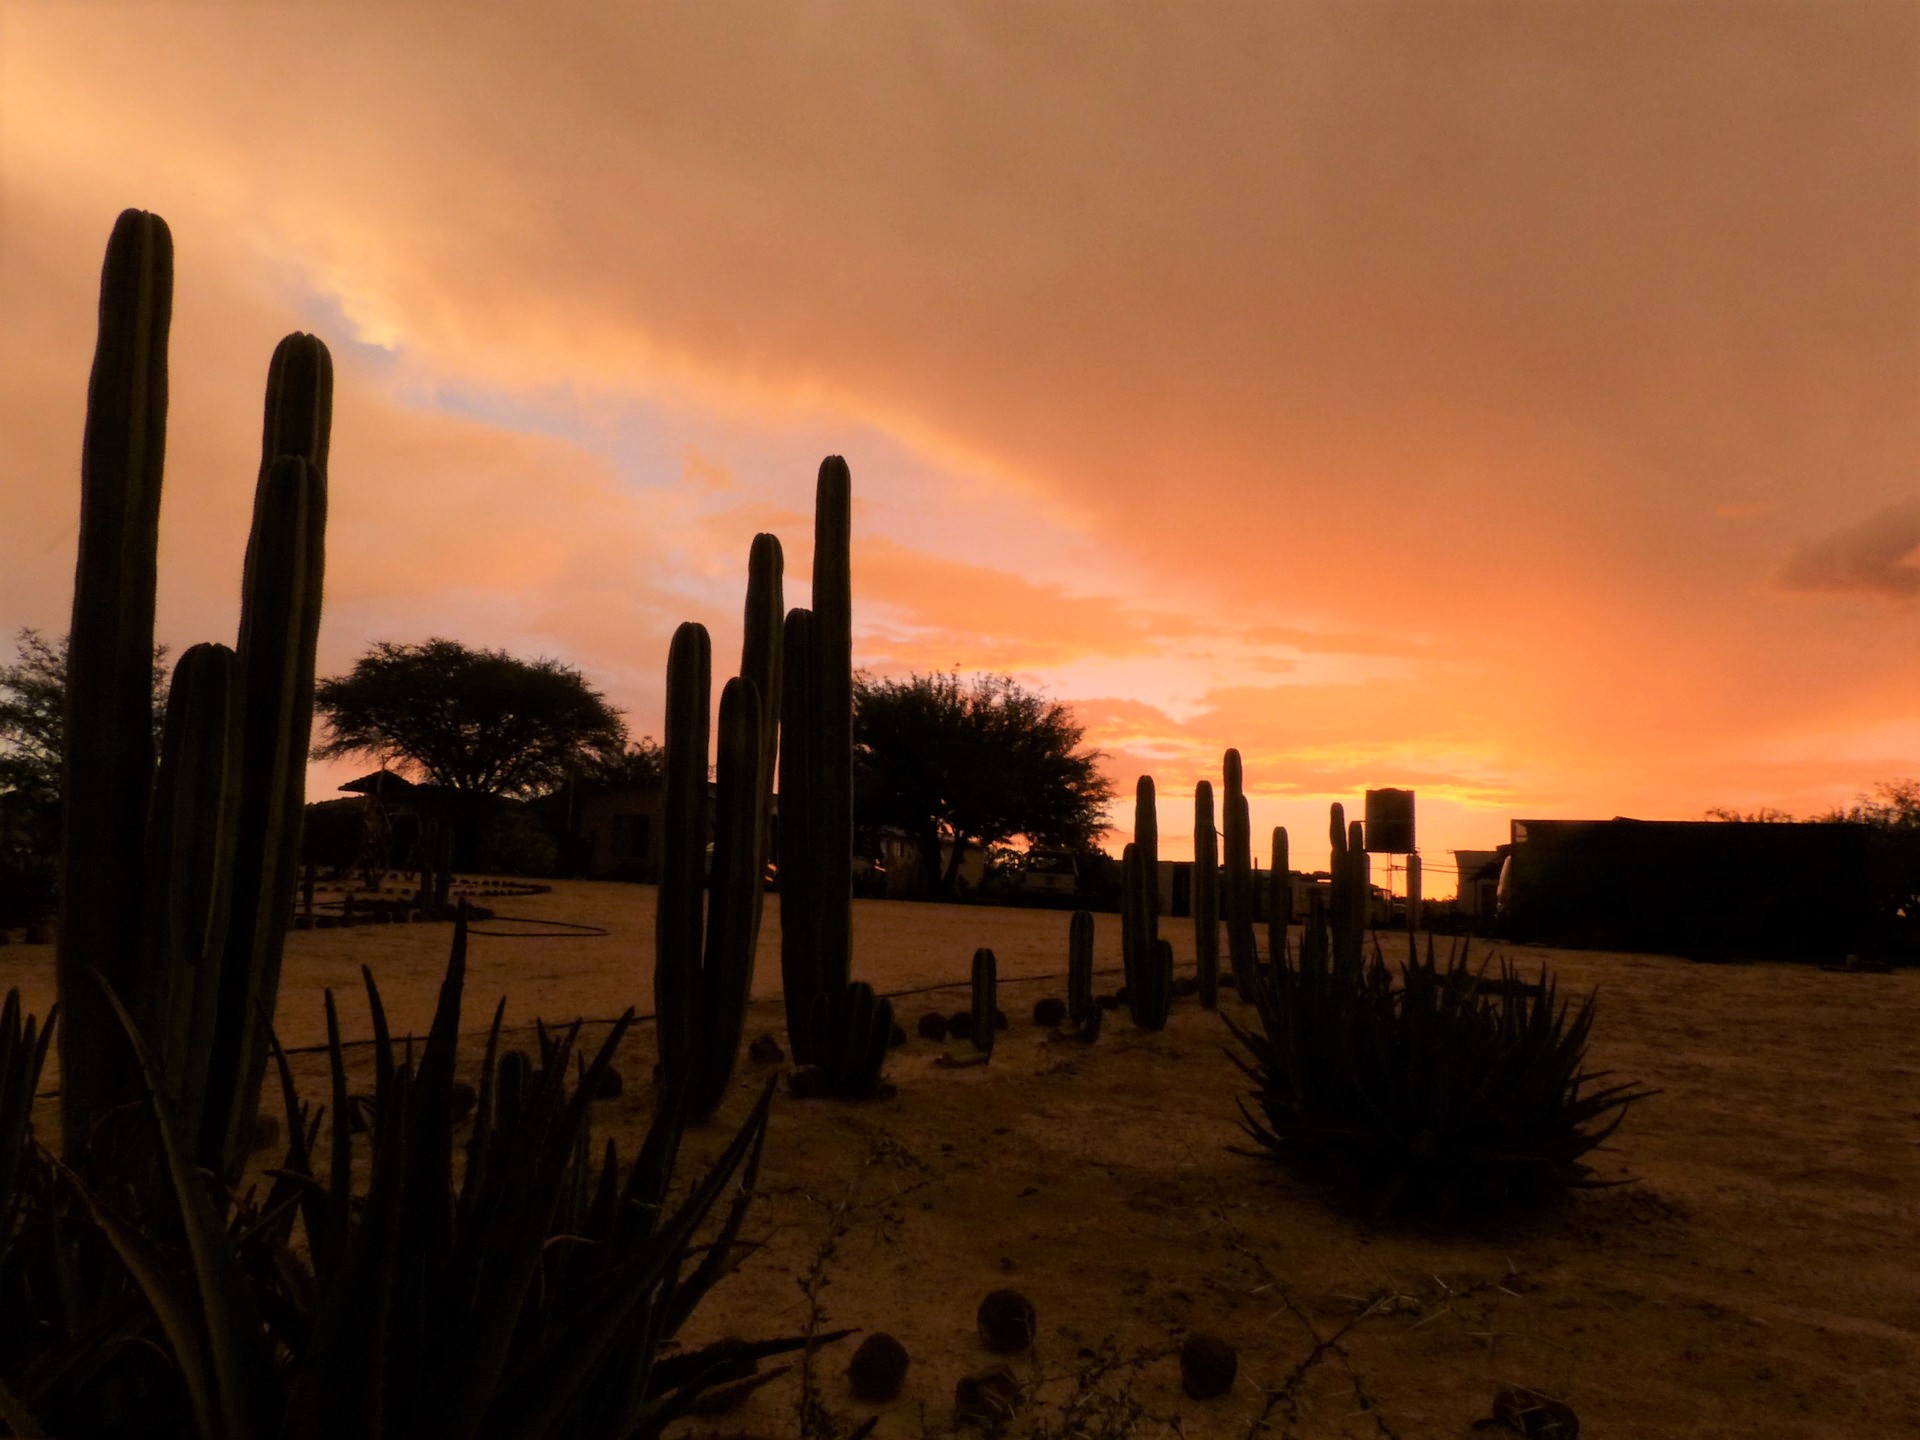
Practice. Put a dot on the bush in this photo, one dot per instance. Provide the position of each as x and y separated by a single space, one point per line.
1437 1090
514 842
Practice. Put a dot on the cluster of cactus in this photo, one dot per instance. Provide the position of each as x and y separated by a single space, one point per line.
1146 958
425 1305
816 771
1352 887
177 885
141 1294
704 952
1432 1091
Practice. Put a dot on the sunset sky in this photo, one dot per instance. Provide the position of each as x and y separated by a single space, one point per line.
1515 401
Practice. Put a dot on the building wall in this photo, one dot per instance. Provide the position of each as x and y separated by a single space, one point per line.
1709 888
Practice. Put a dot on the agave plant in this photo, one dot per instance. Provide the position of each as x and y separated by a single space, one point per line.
1434 1089
529 1297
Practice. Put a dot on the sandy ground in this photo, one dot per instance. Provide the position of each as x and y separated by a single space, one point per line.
1761 1278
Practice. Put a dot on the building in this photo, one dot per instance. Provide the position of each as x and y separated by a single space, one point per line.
1711 889
1479 879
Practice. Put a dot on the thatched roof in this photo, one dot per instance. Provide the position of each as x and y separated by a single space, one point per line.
382 783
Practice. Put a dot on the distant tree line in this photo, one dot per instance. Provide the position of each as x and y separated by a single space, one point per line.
956 766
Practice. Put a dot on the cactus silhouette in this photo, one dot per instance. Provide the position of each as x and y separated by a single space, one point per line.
986 974
1080 967
1279 897
177 885
816 771
1149 983
1239 904
1206 896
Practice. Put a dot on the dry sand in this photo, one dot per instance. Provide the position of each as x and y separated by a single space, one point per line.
1759 1279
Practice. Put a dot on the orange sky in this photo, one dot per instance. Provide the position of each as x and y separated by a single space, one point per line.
1514 401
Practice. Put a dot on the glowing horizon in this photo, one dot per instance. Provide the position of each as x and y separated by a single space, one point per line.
1511 405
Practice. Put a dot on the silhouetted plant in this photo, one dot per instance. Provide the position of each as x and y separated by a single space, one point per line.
1424 1091
816 772
139 1295
530 1298
1147 961
704 948
850 1036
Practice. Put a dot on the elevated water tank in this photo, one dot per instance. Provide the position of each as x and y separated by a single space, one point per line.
1390 822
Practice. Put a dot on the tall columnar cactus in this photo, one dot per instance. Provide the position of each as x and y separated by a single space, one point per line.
799 982
1239 906
1206 896
1279 898
1149 982
986 975
1080 967
190 837
1413 906
833 724
279 631
1360 884
177 892
816 770
703 972
762 662
107 773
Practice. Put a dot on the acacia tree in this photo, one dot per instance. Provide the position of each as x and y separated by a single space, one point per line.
981 761
478 721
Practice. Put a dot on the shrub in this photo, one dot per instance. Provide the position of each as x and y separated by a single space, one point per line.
528 1292
1433 1090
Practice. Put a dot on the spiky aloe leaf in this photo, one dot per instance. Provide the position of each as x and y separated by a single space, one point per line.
503 1255
23 1052
208 1314
542 1384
